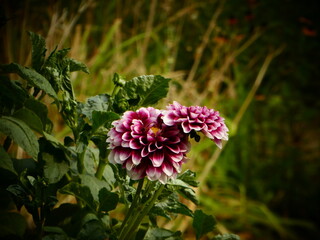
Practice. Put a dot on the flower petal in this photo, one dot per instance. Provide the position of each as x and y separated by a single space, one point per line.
136 157
157 158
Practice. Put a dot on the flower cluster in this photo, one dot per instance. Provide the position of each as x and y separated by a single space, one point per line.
152 143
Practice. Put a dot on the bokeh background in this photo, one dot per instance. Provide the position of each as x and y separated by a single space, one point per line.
255 61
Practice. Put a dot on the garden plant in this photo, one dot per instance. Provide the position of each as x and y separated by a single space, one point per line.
116 174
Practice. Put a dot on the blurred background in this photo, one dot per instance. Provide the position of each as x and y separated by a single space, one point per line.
257 62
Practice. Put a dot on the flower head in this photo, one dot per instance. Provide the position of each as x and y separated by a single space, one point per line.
197 118
145 146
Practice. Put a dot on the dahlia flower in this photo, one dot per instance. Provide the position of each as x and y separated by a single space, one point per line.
145 146
199 119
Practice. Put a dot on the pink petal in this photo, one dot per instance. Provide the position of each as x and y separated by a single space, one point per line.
218 143
136 157
157 158
186 128
176 157
173 148
153 173
134 144
124 154
167 169
126 136
144 152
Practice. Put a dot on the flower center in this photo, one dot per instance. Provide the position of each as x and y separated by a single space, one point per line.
154 130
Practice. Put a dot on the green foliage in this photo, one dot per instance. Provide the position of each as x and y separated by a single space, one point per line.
143 90
32 76
161 234
20 132
203 223
78 167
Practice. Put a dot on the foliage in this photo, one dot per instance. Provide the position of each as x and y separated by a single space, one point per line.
78 167
279 132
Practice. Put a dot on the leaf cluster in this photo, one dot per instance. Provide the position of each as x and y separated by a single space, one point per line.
68 186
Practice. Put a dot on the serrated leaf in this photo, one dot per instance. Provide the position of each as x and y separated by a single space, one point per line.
162 234
184 190
81 192
226 236
98 103
5 161
100 119
30 118
203 223
12 92
77 66
94 184
38 50
42 112
189 177
20 133
53 170
108 175
171 205
108 200
145 90
92 230
33 77
189 194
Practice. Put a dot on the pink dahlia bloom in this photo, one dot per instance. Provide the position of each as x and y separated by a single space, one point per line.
196 118
145 146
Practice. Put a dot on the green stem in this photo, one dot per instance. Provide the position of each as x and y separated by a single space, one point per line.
132 208
102 165
80 164
134 225
100 170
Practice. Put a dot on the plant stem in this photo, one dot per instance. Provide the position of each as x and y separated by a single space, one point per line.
102 164
132 207
100 170
134 225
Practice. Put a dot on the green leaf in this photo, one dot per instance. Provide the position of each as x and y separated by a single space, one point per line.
33 77
94 184
203 223
188 193
184 189
12 224
54 233
53 170
108 200
171 205
20 132
189 177
108 175
100 118
12 92
145 90
99 103
42 112
30 118
81 192
93 230
5 161
38 50
162 234
227 236
78 66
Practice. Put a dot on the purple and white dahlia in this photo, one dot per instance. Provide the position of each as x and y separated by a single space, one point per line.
145 146
197 118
